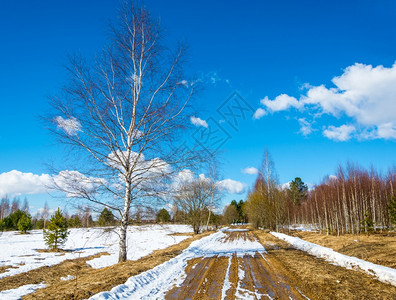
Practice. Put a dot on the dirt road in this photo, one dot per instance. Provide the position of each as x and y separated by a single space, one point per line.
238 269
234 276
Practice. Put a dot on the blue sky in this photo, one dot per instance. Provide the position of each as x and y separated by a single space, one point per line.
258 48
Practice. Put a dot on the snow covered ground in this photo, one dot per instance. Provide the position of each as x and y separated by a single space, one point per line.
302 227
154 283
384 274
20 251
16 294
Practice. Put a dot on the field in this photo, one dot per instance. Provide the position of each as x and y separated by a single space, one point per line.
24 259
234 263
376 248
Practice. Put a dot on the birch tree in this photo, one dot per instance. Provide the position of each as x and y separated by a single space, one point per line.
123 115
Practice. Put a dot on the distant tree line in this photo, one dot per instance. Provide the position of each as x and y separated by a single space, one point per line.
235 213
354 200
13 217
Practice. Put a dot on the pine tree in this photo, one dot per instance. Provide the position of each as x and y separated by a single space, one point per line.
74 221
25 223
298 191
56 233
106 218
392 209
367 223
163 216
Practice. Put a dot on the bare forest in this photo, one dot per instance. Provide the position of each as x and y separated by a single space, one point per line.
354 200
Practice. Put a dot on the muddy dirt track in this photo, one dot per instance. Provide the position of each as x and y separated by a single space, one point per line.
250 276
278 272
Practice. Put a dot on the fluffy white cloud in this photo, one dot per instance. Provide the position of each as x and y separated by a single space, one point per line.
285 186
342 133
70 126
73 182
305 127
184 176
232 186
281 102
259 113
153 167
17 183
250 170
332 177
364 93
228 185
198 122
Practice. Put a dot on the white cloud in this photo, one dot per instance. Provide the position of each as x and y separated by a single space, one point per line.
281 102
305 127
73 182
387 130
70 126
342 133
185 176
183 82
228 185
285 186
198 122
232 186
250 170
333 177
259 113
17 183
364 93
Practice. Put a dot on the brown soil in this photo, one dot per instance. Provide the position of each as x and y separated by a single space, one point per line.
377 248
234 235
318 279
90 281
248 276
281 273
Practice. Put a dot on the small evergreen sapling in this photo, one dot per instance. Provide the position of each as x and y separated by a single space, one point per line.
56 233
106 218
367 223
163 216
392 209
25 223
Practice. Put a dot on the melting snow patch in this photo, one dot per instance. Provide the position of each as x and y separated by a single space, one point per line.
68 277
21 291
227 283
384 274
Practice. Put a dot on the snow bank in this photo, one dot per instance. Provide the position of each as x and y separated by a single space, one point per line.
302 227
384 274
20 251
21 291
154 283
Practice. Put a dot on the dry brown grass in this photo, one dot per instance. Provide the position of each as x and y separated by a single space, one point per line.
377 248
4 268
49 275
90 281
182 234
318 279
